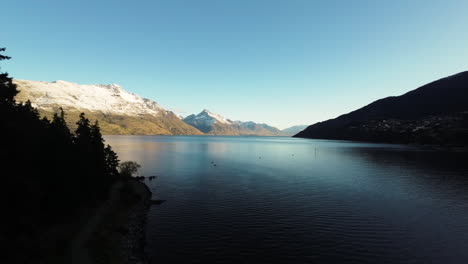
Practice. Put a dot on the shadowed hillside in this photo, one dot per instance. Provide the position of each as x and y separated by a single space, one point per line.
434 113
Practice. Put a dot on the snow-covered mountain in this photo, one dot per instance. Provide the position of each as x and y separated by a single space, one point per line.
214 124
118 111
205 121
121 112
109 99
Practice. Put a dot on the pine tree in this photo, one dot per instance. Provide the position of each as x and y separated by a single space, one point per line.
97 141
8 89
60 125
112 163
83 132
102 178
30 112
96 145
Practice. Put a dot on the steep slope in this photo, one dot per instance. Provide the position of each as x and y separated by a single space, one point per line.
208 122
118 111
290 131
214 124
433 113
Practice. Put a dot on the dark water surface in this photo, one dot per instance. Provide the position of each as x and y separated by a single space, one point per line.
287 200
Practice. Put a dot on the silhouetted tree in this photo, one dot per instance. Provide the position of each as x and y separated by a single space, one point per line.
60 125
8 89
128 168
97 141
83 132
102 178
112 163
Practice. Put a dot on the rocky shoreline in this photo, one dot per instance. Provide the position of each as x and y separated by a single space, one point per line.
119 236
133 242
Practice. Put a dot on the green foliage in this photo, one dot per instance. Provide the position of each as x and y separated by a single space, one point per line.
129 169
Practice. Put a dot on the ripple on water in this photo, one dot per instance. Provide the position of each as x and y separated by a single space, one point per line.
333 201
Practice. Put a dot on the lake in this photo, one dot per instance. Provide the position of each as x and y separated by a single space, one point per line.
289 200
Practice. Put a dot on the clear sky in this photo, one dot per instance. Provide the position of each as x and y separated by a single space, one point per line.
283 62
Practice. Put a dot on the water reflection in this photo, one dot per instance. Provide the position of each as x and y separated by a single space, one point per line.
300 201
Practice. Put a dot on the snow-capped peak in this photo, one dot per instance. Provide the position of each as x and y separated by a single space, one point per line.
110 98
206 113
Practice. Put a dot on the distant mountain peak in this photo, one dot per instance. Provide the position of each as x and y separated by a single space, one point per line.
206 114
211 123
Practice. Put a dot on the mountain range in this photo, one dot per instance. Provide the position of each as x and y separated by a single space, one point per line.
436 113
120 112
214 124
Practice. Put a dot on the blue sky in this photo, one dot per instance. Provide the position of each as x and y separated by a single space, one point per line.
280 62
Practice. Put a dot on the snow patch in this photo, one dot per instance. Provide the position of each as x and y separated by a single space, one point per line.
205 114
110 98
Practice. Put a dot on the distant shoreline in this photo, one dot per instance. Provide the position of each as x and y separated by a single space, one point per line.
206 135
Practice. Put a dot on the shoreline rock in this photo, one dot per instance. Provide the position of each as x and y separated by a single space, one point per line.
134 240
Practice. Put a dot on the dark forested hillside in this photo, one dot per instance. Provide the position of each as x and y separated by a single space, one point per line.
48 173
434 113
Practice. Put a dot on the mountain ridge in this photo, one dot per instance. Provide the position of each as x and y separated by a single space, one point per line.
118 111
432 113
214 124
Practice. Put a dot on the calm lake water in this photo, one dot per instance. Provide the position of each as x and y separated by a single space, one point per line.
288 200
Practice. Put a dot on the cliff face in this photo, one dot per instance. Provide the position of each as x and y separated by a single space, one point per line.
434 113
